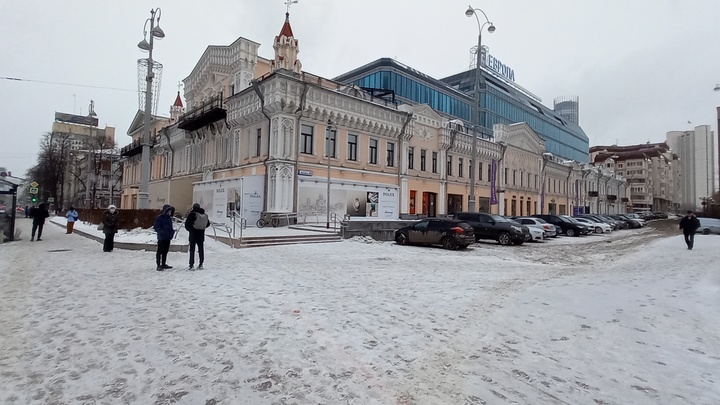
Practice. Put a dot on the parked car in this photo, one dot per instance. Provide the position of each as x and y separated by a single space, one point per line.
435 231
632 222
569 227
493 227
530 222
614 224
536 234
708 226
621 223
595 226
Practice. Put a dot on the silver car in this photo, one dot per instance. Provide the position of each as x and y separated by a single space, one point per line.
549 229
708 226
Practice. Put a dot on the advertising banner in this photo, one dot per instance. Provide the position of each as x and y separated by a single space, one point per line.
363 201
493 180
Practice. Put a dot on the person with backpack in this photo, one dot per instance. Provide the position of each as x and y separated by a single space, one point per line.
71 216
165 232
196 223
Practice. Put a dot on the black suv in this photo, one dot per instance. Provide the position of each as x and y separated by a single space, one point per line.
495 227
448 233
569 227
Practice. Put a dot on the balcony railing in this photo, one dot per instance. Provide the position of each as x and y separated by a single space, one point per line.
135 148
206 113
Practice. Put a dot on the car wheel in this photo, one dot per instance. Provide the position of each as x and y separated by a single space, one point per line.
504 238
463 246
449 243
571 232
706 232
598 230
401 239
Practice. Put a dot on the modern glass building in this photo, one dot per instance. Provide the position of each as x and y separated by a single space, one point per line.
501 103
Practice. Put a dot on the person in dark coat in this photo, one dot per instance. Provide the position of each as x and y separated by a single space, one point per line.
197 219
689 224
110 227
165 232
39 215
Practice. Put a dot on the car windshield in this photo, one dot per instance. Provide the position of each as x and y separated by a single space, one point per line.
498 218
568 219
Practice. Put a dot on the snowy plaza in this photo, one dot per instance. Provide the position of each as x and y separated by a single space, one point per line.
624 318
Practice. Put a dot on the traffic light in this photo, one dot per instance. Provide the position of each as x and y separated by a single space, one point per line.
34 199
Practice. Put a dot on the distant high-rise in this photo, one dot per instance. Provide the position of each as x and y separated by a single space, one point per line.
696 150
568 107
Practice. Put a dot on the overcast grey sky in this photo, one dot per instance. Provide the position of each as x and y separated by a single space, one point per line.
640 67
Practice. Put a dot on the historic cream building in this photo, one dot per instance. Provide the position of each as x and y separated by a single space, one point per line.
265 136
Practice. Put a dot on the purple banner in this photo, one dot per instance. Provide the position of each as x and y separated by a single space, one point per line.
493 176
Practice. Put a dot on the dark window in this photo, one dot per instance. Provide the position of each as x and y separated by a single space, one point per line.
390 154
514 177
373 158
506 176
258 142
352 147
449 166
330 143
306 139
423 160
460 167
480 171
434 162
411 158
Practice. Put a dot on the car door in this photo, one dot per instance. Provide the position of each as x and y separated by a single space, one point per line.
435 232
486 225
471 219
418 232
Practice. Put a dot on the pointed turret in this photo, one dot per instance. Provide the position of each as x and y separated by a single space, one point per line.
286 49
177 108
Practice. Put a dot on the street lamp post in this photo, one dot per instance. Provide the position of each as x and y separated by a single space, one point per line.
328 130
155 32
476 103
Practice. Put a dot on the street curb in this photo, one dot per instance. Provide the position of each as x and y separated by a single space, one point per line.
150 247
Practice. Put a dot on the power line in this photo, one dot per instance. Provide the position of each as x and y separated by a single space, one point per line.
17 79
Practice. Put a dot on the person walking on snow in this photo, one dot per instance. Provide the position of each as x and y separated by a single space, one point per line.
38 215
110 227
196 223
689 224
71 216
165 232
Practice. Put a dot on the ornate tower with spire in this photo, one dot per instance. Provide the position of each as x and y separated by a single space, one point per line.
286 49
177 108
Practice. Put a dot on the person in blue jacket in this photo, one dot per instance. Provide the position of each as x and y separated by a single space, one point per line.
71 216
165 232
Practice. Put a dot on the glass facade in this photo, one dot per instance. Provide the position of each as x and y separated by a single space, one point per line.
415 91
454 96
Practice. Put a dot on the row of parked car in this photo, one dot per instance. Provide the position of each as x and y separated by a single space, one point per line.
466 228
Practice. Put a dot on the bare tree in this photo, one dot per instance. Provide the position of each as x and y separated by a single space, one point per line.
49 171
102 151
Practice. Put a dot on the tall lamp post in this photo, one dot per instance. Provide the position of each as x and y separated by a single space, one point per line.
476 103
328 130
155 32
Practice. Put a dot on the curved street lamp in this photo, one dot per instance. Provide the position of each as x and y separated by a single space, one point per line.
476 103
717 87
145 45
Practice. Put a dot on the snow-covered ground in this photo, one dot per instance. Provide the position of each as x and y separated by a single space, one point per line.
624 318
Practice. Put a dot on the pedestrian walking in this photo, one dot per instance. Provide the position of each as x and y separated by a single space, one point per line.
71 216
689 224
27 211
110 227
39 215
165 232
196 223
